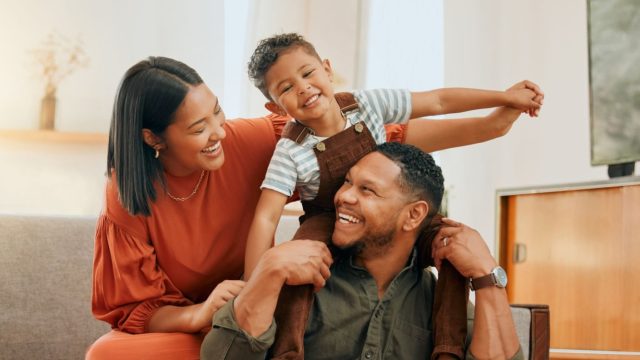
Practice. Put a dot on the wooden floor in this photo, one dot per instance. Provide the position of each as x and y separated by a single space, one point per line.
573 356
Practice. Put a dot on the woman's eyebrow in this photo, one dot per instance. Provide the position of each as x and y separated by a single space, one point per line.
203 119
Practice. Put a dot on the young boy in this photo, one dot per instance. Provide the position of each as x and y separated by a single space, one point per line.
330 133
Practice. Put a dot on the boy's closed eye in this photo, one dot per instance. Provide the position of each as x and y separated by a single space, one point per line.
285 89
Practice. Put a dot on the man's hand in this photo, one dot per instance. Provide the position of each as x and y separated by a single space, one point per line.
300 262
464 248
296 262
494 334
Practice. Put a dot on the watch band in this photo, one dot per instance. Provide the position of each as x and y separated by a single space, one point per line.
483 282
497 277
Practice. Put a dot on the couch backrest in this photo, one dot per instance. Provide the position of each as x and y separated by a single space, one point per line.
45 287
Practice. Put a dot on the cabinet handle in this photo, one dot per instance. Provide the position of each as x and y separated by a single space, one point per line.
520 253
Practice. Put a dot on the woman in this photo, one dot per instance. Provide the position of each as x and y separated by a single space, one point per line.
175 220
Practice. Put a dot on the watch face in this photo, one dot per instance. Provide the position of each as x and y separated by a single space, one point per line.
500 276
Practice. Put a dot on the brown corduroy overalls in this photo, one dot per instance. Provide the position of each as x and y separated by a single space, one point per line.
336 155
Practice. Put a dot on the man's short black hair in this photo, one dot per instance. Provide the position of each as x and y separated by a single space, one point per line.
420 178
267 53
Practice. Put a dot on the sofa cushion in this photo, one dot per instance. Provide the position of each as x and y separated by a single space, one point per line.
45 287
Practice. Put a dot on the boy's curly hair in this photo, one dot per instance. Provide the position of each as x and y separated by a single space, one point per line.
267 53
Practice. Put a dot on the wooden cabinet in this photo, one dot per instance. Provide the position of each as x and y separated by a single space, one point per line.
577 248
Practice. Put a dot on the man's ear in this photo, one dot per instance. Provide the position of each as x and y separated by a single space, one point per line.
274 108
326 65
416 213
153 140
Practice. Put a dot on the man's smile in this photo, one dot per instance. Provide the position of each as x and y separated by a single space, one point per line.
345 218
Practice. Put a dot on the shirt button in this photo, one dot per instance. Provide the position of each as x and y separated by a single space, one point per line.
359 127
368 355
320 146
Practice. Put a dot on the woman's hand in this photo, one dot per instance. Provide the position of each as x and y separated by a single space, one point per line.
222 293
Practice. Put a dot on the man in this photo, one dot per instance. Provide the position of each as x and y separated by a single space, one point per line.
373 302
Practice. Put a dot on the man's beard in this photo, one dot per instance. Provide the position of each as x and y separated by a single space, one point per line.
371 243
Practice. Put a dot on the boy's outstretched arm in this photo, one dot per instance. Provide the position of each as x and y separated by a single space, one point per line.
434 135
263 228
524 96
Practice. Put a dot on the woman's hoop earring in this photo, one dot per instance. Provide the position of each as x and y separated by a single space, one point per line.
157 155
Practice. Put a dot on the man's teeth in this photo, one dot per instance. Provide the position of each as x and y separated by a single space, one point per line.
311 100
344 218
212 148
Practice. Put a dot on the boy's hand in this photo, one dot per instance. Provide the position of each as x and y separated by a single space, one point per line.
522 99
538 99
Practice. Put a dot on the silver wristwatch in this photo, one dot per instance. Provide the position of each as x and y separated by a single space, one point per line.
497 277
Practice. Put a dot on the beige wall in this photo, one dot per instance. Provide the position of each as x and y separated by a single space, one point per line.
492 44
52 174
116 34
488 44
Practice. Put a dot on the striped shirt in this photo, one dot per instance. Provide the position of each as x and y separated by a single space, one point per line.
295 165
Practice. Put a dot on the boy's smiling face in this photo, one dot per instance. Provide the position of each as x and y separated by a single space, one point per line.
300 85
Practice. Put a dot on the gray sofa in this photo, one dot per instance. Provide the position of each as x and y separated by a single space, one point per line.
45 287
45 291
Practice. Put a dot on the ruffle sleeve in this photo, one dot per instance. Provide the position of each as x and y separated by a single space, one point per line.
128 285
396 132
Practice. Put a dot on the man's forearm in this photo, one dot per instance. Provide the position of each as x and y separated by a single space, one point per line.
256 304
494 333
226 341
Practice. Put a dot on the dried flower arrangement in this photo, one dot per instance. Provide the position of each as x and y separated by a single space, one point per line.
57 57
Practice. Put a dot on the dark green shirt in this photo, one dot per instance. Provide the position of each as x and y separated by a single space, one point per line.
347 321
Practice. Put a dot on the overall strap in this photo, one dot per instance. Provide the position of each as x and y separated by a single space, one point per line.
346 101
297 132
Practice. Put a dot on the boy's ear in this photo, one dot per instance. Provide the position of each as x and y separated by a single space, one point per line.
326 65
417 212
274 108
153 140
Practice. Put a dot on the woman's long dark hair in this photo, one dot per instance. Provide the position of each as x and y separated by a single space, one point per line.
147 98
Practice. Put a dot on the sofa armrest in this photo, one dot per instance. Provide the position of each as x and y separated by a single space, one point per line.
534 326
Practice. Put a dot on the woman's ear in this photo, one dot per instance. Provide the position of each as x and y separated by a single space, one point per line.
416 213
153 140
274 108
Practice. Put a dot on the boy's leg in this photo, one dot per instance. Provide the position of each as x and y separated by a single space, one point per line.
450 313
450 304
294 303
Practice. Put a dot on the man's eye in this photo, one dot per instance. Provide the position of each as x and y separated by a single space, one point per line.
307 73
368 190
217 110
